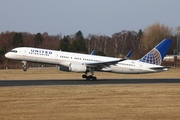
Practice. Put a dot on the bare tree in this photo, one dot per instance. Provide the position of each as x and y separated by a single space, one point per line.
119 41
155 34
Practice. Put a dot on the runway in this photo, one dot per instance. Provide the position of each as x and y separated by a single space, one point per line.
8 83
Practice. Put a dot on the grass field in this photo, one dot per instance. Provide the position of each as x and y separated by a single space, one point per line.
86 102
54 73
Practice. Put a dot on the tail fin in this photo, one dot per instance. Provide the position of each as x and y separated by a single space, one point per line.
156 55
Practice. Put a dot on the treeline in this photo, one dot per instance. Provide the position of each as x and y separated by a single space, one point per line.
117 45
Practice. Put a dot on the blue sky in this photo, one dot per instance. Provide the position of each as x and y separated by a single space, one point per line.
100 17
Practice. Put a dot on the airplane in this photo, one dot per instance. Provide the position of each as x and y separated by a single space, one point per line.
78 62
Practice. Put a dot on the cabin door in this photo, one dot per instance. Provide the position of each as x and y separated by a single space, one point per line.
56 56
24 53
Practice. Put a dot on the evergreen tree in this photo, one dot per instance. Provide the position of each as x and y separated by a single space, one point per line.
38 39
140 33
79 44
17 40
74 46
64 44
100 53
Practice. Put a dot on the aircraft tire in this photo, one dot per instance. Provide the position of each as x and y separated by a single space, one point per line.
84 76
24 69
91 78
94 78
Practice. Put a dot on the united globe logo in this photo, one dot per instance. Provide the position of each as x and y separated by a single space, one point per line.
153 57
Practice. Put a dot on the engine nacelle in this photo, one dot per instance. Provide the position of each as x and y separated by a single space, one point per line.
75 67
62 68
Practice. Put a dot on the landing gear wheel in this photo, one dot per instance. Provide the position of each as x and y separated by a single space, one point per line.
24 66
84 76
91 78
24 69
94 78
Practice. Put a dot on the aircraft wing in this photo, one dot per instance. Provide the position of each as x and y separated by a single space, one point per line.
95 64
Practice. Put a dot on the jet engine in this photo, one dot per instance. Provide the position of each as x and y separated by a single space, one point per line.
74 67
62 68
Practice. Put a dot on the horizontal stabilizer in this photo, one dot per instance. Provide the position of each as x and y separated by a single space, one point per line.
160 68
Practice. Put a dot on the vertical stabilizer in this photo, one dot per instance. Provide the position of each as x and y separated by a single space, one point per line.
156 55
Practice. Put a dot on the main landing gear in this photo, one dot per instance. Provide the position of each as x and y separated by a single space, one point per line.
90 77
24 66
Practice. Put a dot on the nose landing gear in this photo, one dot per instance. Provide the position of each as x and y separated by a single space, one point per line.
24 66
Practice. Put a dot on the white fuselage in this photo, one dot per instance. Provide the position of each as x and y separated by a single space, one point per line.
65 58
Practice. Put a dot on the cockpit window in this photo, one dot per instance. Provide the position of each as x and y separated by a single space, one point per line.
14 51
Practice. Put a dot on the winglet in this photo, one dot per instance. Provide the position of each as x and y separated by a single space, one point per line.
129 54
156 55
93 52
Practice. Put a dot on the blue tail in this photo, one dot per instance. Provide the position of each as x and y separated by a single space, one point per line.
156 55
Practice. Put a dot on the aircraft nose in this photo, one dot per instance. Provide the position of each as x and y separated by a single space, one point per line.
7 55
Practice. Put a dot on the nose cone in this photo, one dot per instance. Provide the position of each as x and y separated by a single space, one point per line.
7 55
